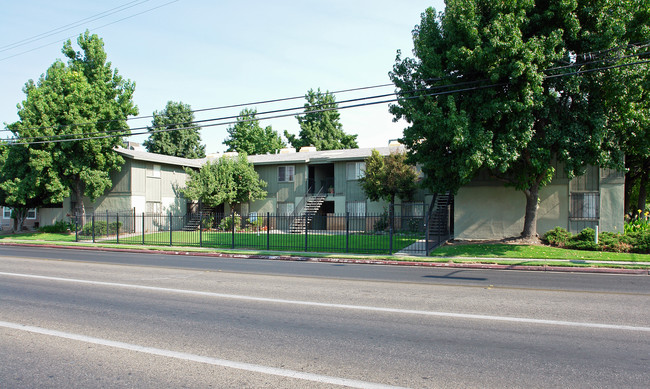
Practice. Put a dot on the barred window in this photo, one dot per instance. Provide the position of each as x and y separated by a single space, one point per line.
286 173
356 208
584 205
285 209
355 170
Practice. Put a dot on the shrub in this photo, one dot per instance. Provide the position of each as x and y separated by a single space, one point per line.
611 241
101 228
557 237
226 223
382 223
641 242
60 226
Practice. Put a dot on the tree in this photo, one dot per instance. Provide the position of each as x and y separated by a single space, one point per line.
524 107
228 180
386 178
174 133
26 184
72 120
247 136
320 125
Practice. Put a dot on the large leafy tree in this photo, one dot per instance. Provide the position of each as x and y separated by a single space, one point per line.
73 118
174 133
388 177
247 136
629 107
228 180
524 107
320 126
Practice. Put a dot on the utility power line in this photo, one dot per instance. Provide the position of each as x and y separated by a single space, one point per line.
93 29
72 25
279 113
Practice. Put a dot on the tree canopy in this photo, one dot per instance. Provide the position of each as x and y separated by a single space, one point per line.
247 136
388 177
174 133
320 126
228 180
533 94
72 119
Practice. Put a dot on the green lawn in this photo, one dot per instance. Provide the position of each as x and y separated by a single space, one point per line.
39 236
533 252
356 243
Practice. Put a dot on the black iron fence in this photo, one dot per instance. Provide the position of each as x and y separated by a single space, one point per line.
384 233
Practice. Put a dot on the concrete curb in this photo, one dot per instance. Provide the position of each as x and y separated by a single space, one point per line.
349 260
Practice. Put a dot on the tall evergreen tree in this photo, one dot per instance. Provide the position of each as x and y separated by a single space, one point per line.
320 126
174 133
247 136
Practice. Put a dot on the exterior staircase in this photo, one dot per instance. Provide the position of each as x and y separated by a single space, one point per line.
439 220
304 217
194 219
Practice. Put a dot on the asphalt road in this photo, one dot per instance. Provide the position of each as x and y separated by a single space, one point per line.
96 319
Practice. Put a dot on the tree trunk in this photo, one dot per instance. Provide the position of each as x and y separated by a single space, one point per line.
629 184
530 220
19 215
80 209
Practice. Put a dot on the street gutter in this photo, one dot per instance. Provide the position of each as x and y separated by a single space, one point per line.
369 260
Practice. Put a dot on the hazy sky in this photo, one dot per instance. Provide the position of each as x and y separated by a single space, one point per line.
216 53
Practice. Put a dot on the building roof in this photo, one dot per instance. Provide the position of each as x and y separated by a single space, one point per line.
311 157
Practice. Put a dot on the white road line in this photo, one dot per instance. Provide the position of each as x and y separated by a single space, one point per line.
198 358
338 306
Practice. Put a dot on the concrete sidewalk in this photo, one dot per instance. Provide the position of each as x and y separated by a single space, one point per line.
468 263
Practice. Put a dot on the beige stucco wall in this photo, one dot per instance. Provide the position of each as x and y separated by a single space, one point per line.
612 214
496 212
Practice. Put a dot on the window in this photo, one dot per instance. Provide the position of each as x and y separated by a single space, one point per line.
286 173
153 207
412 209
584 205
355 170
285 209
153 170
356 208
6 213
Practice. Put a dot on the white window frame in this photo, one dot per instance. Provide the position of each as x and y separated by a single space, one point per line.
355 170
290 208
288 175
154 207
7 211
154 171
356 208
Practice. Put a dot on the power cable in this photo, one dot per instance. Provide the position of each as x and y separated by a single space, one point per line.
94 29
312 111
72 25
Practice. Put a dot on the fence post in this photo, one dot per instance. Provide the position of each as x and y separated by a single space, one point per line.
232 216
143 228
76 227
117 227
107 223
171 221
93 227
347 232
200 228
306 231
268 231
391 216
